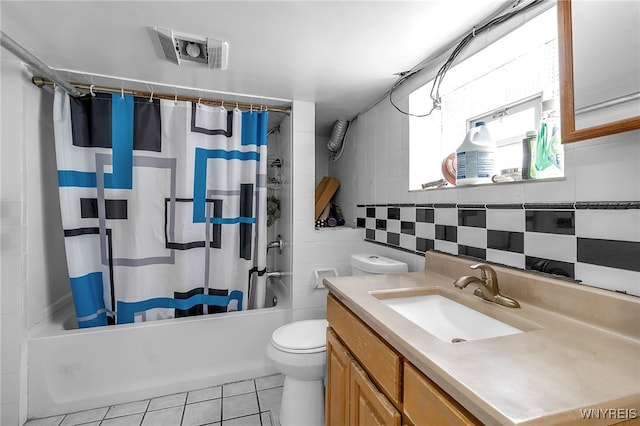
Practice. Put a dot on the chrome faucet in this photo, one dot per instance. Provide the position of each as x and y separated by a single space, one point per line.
279 244
487 286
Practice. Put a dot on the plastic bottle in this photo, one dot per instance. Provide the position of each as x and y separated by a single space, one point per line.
549 158
529 155
476 157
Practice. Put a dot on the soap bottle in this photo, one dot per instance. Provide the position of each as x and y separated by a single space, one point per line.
476 157
549 156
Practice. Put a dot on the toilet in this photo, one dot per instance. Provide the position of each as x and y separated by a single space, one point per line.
368 264
299 352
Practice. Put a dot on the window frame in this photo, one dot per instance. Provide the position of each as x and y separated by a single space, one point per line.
520 105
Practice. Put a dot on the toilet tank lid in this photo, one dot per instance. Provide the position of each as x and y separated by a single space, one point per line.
301 335
375 264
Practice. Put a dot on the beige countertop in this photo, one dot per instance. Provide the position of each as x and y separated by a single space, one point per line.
570 358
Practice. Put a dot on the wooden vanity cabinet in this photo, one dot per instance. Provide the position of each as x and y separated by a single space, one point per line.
352 399
425 403
369 383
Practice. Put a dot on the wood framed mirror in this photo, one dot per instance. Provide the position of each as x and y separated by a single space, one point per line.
599 67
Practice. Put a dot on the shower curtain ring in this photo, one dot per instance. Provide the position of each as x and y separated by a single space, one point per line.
151 97
199 99
175 100
91 89
122 92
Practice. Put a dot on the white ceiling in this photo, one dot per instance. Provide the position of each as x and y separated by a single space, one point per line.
339 54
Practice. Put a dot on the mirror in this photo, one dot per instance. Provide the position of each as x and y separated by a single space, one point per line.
599 65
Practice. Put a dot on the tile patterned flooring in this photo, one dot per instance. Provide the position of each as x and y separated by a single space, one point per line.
254 402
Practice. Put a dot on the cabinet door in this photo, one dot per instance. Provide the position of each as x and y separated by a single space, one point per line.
425 403
338 377
369 407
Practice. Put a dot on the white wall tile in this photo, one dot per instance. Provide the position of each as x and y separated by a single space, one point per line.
437 196
446 246
408 241
621 225
305 297
550 246
607 169
471 236
557 191
11 295
426 230
609 278
11 239
408 214
506 219
307 314
11 271
303 116
10 388
10 212
446 216
516 260
393 226
305 146
487 194
9 414
10 359
303 231
370 223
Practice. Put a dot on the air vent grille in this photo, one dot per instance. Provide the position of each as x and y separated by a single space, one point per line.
184 47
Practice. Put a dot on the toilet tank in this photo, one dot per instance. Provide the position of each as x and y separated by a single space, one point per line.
366 264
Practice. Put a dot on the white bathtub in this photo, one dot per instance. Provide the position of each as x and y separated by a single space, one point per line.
80 369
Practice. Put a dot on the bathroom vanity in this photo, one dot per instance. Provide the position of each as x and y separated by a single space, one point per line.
570 354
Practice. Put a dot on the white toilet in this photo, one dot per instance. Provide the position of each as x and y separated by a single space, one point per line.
367 264
299 351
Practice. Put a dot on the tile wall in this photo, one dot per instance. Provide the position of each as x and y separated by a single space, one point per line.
586 225
555 238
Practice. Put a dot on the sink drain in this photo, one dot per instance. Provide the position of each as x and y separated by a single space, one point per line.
458 340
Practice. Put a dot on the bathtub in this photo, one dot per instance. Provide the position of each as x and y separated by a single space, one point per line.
72 370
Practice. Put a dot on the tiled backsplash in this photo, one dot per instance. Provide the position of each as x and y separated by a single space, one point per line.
594 242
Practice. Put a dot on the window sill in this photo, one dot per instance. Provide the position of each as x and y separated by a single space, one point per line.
492 184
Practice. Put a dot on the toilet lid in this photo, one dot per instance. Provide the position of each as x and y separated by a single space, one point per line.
301 336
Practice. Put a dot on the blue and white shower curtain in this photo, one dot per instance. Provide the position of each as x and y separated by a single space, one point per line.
163 206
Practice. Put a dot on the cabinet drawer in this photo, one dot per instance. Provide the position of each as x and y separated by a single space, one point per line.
425 403
381 362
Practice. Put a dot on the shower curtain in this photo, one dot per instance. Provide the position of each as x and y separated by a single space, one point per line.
163 206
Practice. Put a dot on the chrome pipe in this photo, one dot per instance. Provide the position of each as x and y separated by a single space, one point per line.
23 54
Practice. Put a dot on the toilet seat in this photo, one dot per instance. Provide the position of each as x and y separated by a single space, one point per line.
301 337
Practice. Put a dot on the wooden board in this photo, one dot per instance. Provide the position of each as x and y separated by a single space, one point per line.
324 193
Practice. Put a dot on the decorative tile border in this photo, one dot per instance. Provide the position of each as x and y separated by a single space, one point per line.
544 237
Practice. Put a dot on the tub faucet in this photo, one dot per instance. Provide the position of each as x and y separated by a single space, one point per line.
487 286
279 244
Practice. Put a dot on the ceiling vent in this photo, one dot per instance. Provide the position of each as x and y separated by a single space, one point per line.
179 47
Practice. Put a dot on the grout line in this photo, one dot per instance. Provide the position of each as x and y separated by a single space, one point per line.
255 387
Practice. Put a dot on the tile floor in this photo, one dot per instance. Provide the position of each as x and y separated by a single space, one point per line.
254 402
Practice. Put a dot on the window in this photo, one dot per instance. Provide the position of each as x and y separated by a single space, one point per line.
506 124
503 85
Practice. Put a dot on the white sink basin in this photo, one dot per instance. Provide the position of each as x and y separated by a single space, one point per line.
449 321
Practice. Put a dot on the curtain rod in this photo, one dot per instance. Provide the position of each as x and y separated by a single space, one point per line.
12 46
40 82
